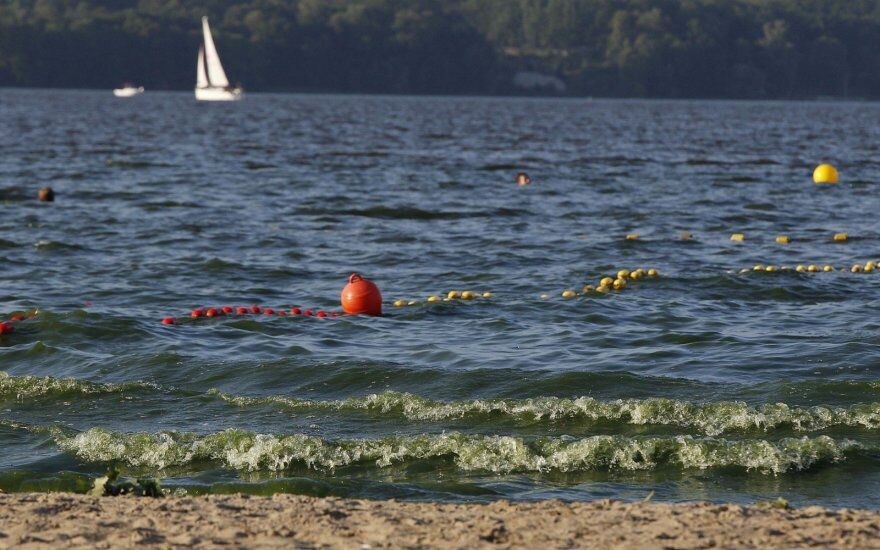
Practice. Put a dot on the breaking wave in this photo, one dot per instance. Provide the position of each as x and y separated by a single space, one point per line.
248 451
709 418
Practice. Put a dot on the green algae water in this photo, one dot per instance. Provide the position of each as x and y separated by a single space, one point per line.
703 383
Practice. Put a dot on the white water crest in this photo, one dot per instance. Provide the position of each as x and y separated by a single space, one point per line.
242 450
712 418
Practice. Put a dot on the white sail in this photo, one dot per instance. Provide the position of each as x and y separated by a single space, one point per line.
215 73
201 75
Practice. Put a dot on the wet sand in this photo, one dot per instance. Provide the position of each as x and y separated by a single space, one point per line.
50 520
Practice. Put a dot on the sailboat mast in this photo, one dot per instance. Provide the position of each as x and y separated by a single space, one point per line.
205 66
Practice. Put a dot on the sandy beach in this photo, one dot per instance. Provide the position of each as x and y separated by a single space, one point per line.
34 520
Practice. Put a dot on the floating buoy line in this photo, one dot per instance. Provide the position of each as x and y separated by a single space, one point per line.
246 311
606 285
743 237
361 296
871 266
8 326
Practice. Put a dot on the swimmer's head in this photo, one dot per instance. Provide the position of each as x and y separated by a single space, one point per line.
523 179
46 194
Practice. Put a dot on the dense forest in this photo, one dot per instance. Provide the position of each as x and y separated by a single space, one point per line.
653 48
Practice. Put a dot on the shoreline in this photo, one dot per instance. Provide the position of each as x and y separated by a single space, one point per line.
38 520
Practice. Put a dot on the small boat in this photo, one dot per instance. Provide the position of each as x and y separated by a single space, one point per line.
211 81
128 90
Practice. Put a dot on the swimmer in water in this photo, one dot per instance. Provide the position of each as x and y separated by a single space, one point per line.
46 194
523 179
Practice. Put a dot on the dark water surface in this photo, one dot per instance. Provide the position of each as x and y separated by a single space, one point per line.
703 383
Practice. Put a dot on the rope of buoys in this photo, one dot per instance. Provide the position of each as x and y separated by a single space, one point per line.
8 327
871 266
742 237
451 296
240 311
359 297
607 284
786 239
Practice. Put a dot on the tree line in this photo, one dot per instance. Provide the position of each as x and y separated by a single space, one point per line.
622 48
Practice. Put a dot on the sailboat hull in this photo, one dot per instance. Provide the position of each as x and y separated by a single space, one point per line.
127 92
218 94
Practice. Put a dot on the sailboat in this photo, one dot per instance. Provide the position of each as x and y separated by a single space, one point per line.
211 81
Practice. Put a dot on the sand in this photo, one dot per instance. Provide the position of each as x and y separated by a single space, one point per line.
38 520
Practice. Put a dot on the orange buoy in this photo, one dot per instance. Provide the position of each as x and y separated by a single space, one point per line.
361 297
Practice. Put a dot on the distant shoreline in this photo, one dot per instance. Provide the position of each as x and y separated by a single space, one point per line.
818 99
52 519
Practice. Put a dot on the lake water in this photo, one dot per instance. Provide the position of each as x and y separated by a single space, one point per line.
702 383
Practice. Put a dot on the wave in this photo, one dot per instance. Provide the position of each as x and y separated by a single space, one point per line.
709 418
248 451
21 388
712 419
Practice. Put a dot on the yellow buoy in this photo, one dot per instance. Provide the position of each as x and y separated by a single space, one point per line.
744 270
737 237
607 281
453 294
545 296
801 268
813 268
635 275
412 303
467 295
653 272
433 298
783 239
603 288
870 263
856 268
487 295
623 274
840 237
825 173
399 303
771 268
589 288
633 237
619 284
868 268
686 235
569 294
828 268
758 268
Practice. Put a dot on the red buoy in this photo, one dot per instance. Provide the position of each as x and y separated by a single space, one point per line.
18 317
281 313
168 321
212 312
269 311
6 327
197 313
308 312
322 314
227 309
242 311
361 297
255 309
295 311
